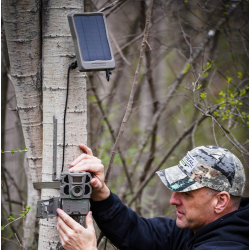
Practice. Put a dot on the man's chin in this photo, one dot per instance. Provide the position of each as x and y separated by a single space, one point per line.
181 224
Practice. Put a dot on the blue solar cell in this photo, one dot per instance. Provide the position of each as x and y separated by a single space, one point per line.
92 38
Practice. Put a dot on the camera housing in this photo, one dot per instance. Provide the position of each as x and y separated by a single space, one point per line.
75 192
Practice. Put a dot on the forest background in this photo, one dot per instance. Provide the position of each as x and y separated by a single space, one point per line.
192 90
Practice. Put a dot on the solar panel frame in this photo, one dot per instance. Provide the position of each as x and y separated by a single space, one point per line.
90 55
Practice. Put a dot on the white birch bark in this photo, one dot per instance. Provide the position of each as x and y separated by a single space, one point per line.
58 53
22 26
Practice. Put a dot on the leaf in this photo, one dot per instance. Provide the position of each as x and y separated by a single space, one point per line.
222 93
216 113
203 95
11 218
12 151
242 92
205 74
1 151
25 149
239 75
19 150
193 83
187 68
229 79
2 227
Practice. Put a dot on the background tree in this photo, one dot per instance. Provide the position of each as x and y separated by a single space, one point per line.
192 90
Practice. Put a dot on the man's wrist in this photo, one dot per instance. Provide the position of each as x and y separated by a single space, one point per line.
100 194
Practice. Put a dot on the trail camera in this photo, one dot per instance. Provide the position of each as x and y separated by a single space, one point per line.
75 190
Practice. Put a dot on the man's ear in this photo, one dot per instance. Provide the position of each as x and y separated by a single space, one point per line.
222 200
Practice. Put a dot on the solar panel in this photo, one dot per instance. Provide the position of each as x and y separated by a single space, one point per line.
91 41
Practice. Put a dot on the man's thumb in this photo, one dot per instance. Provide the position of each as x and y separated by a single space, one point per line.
89 221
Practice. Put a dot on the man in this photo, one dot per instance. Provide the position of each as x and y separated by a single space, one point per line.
207 186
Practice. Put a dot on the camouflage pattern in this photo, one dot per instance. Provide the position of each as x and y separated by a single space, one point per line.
206 166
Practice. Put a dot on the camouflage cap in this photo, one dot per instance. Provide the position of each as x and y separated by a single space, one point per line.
206 166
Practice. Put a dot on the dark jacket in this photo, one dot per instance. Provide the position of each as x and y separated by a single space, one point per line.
126 230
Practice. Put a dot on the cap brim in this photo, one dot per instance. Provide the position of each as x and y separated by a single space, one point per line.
177 181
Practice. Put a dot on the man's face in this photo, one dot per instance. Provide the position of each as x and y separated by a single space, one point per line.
194 209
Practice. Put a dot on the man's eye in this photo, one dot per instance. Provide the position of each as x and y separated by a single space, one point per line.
186 194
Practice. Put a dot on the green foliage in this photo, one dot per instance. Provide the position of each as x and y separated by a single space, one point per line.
239 75
231 104
92 98
229 79
15 151
186 69
203 95
12 219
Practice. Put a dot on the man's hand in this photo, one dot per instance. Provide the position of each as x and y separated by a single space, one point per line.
88 162
72 235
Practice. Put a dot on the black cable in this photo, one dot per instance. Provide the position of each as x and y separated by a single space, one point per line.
71 66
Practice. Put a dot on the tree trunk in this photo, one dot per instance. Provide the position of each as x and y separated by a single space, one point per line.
22 27
58 53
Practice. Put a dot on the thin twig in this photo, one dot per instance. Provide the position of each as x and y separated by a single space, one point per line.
18 239
214 133
130 103
148 45
13 242
14 183
111 5
193 131
119 49
237 146
139 36
184 34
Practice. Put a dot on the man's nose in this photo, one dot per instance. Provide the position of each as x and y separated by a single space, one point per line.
175 199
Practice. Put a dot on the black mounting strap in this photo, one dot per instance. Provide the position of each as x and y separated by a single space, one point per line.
108 72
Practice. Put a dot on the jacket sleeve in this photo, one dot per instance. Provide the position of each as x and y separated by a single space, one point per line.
126 230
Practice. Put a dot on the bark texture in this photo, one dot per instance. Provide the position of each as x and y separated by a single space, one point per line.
22 27
58 53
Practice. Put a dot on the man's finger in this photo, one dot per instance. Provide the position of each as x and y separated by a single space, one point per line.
86 149
62 228
66 219
89 221
96 183
81 157
88 161
94 168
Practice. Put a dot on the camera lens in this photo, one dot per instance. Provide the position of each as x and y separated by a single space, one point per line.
77 191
